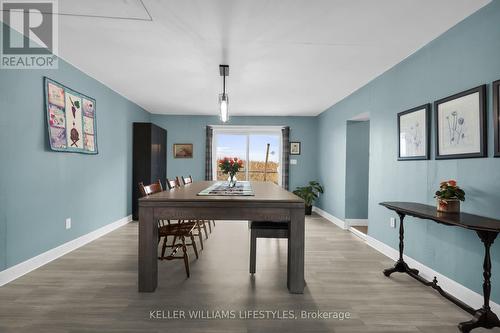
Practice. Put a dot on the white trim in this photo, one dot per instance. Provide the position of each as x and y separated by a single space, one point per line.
31 264
358 233
358 222
247 128
450 286
454 288
335 220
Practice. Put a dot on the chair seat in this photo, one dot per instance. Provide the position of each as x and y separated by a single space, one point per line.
268 225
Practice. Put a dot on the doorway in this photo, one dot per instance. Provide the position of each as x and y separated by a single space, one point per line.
357 175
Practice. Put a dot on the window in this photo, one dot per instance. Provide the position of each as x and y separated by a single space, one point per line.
250 145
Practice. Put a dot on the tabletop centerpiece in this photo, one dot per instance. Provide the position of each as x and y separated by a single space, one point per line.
230 166
449 196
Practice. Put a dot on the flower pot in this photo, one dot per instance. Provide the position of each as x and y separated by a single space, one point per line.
308 210
448 205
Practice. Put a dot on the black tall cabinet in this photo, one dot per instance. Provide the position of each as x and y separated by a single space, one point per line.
149 159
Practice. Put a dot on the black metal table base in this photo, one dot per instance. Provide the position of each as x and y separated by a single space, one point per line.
483 317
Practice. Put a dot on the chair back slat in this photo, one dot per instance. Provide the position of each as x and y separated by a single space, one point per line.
187 180
173 183
146 190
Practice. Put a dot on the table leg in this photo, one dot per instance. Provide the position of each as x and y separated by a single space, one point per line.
148 250
295 277
401 266
484 317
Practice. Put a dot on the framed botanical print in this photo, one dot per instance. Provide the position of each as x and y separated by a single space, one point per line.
496 116
294 148
461 125
413 133
183 150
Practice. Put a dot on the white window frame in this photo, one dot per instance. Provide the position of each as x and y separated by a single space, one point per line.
246 130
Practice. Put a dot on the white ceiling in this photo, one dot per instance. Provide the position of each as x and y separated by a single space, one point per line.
289 57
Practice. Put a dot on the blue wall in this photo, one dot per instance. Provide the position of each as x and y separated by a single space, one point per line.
39 189
464 57
357 170
191 129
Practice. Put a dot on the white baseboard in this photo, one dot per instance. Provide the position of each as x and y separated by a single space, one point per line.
358 233
31 264
335 220
452 287
356 222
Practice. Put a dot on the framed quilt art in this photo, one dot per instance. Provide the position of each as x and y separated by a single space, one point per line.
71 119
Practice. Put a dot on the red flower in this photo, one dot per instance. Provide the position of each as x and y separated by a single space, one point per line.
452 182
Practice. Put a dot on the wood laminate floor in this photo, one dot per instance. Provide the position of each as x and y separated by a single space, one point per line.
94 289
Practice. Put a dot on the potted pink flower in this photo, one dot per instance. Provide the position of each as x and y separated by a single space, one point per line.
449 196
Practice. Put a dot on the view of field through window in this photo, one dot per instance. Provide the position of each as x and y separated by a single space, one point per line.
251 148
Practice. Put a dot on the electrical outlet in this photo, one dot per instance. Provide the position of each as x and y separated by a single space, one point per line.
293 162
68 223
393 222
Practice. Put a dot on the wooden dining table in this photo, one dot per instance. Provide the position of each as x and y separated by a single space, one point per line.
269 203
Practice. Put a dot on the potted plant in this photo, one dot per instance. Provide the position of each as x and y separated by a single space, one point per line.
309 193
449 197
230 166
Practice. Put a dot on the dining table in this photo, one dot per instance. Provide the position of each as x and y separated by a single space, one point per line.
268 202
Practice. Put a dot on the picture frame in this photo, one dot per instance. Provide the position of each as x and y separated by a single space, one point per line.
414 133
71 119
460 125
183 150
295 148
496 116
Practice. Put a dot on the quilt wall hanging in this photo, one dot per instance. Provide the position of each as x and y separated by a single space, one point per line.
71 119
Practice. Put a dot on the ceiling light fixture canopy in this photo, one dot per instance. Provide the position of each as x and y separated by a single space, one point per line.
223 98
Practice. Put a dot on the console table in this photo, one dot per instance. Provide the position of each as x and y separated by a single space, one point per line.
486 228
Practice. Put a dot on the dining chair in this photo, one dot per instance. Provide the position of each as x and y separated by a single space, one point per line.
177 230
189 180
172 185
264 229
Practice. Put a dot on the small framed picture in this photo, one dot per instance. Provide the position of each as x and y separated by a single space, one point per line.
294 148
413 133
496 116
461 125
183 150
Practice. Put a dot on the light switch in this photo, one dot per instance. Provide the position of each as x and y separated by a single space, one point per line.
293 162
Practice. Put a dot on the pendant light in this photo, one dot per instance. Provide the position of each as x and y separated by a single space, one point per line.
223 98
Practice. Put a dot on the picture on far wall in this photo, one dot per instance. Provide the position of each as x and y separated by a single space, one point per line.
461 125
496 115
71 119
183 150
294 148
413 133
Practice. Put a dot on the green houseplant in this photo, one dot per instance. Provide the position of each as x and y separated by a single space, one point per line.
309 193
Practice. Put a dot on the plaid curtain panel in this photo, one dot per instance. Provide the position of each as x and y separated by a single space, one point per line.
286 157
208 153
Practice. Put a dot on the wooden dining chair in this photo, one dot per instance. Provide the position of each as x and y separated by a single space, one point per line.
264 229
172 185
189 180
177 230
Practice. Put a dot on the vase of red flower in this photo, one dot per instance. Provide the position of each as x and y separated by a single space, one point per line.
230 166
449 197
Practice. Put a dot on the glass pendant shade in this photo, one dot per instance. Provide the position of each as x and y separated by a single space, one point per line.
224 104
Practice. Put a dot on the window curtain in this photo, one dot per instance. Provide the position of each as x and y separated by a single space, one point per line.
208 153
286 157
